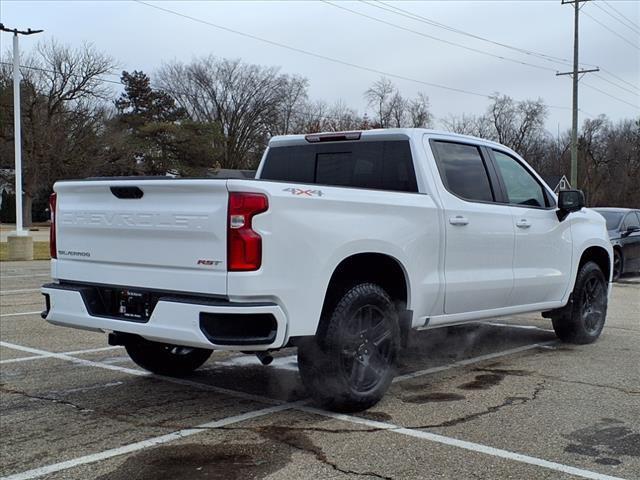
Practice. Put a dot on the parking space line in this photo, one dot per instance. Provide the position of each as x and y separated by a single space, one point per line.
76 352
20 314
3 277
471 446
16 292
280 406
143 373
469 361
151 442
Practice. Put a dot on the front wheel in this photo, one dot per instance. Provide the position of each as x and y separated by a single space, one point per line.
584 321
617 265
164 359
349 365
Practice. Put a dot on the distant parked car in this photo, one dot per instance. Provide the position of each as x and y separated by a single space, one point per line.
623 225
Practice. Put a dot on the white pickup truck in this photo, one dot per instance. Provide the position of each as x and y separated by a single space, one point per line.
342 246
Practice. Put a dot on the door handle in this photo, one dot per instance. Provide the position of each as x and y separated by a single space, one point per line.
523 223
458 220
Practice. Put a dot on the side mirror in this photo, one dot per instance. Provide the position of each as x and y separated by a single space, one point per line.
569 201
630 230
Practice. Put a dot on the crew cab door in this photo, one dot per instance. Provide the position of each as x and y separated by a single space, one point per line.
630 242
543 244
479 231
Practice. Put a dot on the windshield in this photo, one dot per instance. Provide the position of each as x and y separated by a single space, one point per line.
613 218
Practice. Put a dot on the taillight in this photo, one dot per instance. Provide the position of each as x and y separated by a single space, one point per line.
244 246
53 200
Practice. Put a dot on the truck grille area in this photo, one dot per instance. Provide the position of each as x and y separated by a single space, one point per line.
239 329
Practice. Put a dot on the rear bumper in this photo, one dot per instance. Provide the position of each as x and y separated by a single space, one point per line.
218 325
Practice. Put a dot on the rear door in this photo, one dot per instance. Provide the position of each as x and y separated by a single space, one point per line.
479 231
157 234
543 246
630 242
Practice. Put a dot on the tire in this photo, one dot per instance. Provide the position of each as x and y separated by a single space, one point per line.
349 365
618 265
164 359
584 321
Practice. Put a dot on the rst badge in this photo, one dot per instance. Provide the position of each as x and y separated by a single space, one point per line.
208 263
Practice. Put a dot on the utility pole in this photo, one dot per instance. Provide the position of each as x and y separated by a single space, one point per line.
22 247
574 74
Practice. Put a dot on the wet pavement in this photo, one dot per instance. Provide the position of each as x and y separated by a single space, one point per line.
502 399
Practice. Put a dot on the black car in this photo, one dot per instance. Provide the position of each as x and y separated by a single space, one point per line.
623 225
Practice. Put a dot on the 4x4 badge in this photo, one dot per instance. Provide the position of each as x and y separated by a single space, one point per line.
303 193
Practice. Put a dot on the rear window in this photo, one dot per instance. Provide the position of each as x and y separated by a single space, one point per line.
385 165
463 171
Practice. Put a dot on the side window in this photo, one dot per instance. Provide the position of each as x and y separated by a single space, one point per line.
631 220
290 164
463 171
522 187
381 165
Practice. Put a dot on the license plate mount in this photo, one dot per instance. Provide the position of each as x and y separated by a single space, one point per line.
135 305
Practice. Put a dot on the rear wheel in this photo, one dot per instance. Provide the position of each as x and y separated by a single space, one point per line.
165 359
584 320
349 365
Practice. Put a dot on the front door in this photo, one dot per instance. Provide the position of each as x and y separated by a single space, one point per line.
479 232
543 245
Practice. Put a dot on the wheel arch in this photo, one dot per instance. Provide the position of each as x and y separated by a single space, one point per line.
380 268
600 256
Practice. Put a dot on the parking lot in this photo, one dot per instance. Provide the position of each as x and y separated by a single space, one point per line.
496 400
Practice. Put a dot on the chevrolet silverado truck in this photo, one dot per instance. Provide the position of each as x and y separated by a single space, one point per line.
342 246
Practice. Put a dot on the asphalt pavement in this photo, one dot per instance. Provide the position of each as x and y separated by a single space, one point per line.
502 399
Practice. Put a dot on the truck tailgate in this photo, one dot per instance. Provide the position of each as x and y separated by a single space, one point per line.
157 234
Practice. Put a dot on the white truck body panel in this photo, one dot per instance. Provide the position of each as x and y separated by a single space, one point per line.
454 271
154 242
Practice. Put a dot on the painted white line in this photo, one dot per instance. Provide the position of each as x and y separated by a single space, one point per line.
142 373
15 292
469 361
471 446
85 389
76 352
299 405
151 442
289 362
20 314
4 277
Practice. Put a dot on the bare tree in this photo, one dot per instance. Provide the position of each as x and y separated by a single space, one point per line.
245 100
294 96
392 110
418 110
518 125
378 96
62 114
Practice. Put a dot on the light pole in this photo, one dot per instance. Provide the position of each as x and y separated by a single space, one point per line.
22 247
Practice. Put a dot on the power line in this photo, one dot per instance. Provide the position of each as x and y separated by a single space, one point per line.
619 79
624 39
414 16
313 54
634 29
635 25
405 13
637 107
617 85
455 44
324 57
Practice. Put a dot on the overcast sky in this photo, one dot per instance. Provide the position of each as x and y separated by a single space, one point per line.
141 37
